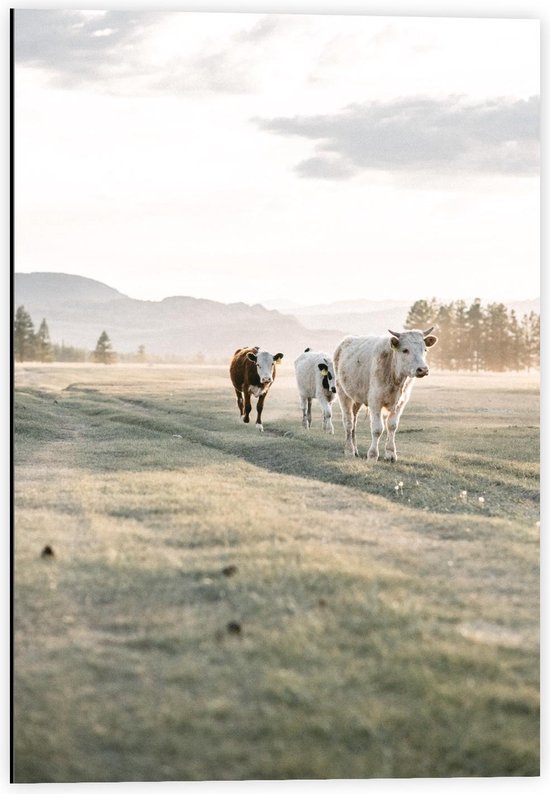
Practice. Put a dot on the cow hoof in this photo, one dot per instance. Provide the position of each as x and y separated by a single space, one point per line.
350 453
391 457
372 456
246 420
260 428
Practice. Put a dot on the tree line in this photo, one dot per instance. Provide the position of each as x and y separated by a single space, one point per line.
31 345
471 337
478 337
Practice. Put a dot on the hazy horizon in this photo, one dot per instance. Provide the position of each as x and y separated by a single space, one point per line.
281 300
269 157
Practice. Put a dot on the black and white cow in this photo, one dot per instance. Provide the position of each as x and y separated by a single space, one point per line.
316 379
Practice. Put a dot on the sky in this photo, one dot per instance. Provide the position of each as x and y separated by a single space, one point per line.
252 157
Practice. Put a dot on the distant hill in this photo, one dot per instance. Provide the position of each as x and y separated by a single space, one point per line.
78 309
61 289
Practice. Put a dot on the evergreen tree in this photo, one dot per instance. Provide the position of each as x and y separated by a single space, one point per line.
23 335
422 314
103 353
442 355
460 352
496 337
43 345
141 356
515 343
530 326
475 330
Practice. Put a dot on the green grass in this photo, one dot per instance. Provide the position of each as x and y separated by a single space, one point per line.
384 632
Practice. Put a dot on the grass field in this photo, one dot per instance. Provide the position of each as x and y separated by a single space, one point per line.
368 629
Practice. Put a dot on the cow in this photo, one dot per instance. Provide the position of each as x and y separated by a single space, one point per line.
315 378
379 372
252 372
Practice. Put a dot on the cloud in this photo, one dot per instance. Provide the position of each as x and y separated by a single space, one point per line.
80 47
263 29
498 136
108 50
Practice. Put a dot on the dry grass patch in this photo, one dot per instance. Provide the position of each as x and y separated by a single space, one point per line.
365 631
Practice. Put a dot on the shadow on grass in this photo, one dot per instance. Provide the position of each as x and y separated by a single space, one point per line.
434 484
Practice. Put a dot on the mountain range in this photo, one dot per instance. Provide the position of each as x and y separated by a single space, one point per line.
78 309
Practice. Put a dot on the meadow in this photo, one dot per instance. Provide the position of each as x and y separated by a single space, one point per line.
223 604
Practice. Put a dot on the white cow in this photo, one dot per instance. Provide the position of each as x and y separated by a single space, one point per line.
379 372
315 378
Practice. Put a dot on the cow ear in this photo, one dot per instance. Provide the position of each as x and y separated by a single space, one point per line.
251 357
278 357
323 369
430 341
394 342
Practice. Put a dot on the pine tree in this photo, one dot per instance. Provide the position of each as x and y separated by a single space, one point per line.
515 344
422 314
442 355
103 353
475 335
24 339
530 326
43 345
460 351
496 336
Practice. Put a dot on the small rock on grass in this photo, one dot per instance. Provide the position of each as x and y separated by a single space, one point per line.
233 627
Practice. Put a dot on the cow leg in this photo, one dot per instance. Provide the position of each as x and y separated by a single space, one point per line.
326 408
392 423
240 401
376 430
259 409
247 407
309 411
349 417
303 404
356 408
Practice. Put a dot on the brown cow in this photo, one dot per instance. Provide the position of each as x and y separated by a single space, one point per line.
252 373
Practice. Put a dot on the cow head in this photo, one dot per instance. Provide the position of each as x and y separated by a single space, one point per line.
265 363
328 378
410 349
